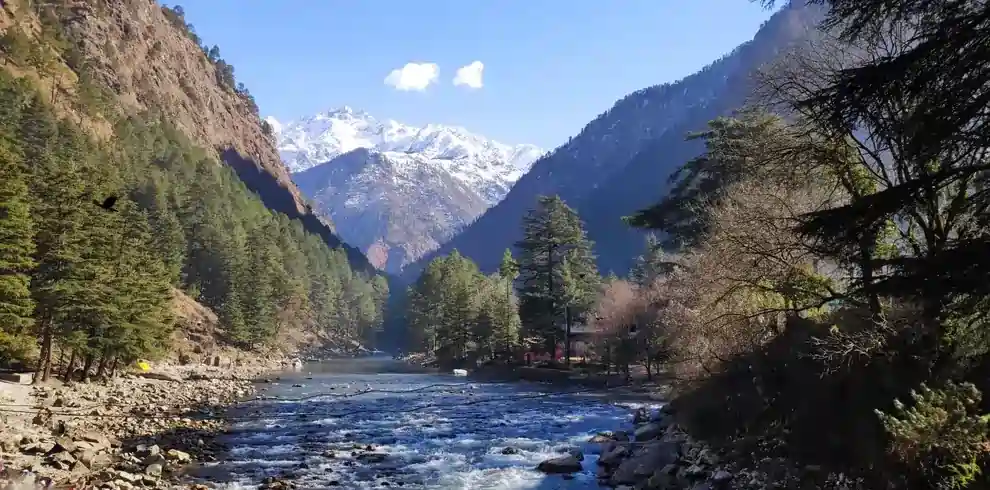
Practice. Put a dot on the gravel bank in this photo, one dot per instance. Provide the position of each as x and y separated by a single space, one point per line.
135 430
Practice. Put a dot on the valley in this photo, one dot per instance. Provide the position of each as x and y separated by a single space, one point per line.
760 263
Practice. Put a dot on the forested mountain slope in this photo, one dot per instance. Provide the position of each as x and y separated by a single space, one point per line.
619 162
718 90
150 59
117 99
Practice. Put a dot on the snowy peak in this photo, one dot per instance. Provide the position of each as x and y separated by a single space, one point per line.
394 190
320 138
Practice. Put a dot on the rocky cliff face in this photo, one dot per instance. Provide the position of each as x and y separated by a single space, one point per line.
150 61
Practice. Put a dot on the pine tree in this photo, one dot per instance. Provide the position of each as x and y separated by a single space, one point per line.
462 302
59 195
15 45
508 268
506 309
552 232
259 292
94 309
16 261
652 265
700 184
141 295
425 315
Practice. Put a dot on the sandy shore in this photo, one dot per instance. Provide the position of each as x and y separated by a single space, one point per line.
135 430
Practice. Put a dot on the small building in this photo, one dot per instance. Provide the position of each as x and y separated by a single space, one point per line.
582 337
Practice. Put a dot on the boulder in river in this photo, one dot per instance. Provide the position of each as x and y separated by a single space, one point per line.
372 457
602 437
563 464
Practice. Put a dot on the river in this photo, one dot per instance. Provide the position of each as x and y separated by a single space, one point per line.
436 431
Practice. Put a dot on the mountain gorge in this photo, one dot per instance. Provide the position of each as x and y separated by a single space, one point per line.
396 191
620 161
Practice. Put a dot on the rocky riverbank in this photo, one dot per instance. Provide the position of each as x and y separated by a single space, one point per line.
132 430
656 454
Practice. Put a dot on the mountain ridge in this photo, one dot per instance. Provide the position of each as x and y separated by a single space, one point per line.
643 132
397 191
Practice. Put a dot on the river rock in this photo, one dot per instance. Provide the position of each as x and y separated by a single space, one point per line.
600 438
151 459
641 416
695 471
36 447
614 456
94 461
563 464
620 435
648 432
62 460
62 444
145 450
665 477
100 440
721 477
645 461
178 456
161 376
372 457
154 470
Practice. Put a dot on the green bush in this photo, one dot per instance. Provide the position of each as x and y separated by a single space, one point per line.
942 435
17 348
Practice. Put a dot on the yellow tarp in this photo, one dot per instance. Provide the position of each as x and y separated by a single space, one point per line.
144 366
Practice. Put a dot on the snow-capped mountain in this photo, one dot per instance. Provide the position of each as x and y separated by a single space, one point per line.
397 191
488 166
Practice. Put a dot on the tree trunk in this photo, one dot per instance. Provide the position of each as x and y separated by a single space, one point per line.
45 359
101 370
68 367
87 366
867 249
607 360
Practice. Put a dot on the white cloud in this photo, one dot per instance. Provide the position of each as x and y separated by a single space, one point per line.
413 76
470 75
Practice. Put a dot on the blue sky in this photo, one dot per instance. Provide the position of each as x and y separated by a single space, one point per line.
550 66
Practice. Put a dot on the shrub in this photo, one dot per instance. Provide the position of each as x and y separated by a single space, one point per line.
17 349
941 436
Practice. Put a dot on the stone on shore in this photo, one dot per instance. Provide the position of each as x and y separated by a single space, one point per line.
642 464
125 432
